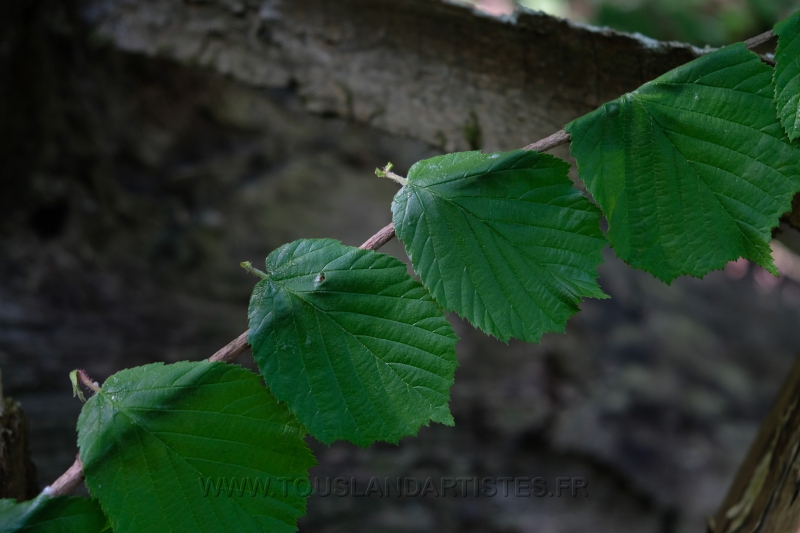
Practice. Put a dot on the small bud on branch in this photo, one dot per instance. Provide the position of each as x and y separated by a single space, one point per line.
386 172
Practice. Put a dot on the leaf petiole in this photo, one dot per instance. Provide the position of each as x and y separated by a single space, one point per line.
247 265
386 172
83 377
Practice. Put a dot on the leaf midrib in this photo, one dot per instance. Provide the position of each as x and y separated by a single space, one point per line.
700 179
316 309
513 246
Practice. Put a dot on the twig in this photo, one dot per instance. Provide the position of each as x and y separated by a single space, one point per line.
383 236
758 40
74 476
232 350
68 480
557 139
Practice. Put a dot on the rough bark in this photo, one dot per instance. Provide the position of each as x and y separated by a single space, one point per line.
430 70
427 69
17 472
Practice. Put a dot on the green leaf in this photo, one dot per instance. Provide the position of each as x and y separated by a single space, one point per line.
787 74
355 347
502 239
44 514
692 169
158 442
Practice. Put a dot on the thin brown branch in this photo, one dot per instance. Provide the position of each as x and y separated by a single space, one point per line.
232 350
548 143
758 40
384 235
68 480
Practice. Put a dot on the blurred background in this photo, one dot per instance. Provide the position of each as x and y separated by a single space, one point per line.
699 22
133 187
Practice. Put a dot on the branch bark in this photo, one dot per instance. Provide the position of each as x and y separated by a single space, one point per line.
384 235
548 143
232 350
758 40
68 481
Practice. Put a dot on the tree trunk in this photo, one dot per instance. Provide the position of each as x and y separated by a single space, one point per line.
430 70
17 472
763 496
